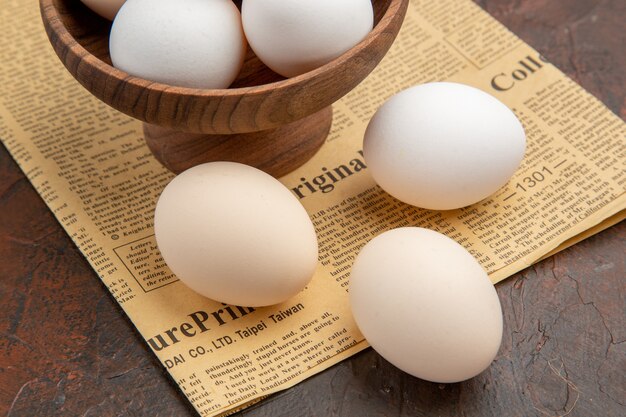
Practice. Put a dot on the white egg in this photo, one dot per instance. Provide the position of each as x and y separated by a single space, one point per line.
186 43
443 145
105 8
296 36
426 305
235 234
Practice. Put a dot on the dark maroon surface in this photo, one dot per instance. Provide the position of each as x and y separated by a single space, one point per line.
67 349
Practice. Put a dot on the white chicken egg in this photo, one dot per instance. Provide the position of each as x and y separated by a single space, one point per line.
105 8
235 234
426 305
443 145
186 43
296 36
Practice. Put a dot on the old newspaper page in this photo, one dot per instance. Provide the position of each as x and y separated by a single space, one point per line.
91 166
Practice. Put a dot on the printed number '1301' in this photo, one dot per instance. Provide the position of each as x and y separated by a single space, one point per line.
533 179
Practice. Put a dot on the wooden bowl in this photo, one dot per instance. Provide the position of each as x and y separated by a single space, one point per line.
263 119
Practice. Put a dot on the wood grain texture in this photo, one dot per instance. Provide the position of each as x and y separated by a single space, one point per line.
259 101
276 151
66 349
255 104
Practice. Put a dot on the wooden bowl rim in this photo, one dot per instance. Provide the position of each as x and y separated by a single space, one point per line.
50 15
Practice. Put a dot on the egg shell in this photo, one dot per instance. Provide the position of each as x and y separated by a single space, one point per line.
185 43
426 305
105 8
296 36
443 146
235 234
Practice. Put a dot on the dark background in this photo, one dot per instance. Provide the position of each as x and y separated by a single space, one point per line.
66 348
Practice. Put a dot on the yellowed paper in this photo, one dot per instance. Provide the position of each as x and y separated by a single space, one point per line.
92 168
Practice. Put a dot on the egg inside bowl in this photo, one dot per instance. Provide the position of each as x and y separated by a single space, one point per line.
186 126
